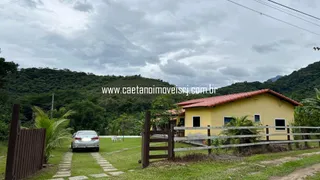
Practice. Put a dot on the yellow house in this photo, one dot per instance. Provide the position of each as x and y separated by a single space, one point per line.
264 106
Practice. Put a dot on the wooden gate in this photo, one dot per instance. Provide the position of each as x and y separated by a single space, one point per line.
147 140
25 149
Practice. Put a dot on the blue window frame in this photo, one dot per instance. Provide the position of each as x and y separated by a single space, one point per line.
227 120
257 118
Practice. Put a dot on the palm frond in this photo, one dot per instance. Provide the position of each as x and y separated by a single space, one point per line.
57 130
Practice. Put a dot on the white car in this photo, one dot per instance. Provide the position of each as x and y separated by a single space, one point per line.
85 139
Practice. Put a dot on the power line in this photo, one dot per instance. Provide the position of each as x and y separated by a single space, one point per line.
261 13
261 2
294 9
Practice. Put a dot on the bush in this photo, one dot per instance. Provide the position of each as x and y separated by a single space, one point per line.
4 131
238 122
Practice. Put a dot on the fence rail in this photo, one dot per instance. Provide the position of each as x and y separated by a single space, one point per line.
243 145
245 127
286 136
239 136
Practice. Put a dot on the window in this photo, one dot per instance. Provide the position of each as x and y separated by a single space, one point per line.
196 121
280 122
227 120
181 122
256 118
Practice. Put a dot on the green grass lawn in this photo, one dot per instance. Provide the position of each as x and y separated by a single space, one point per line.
124 155
84 164
3 154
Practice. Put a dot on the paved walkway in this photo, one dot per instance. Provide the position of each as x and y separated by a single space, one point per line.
106 166
65 167
64 170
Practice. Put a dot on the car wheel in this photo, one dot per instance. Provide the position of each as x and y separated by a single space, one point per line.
97 149
73 150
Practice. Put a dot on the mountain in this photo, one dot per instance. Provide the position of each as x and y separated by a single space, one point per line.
298 85
274 79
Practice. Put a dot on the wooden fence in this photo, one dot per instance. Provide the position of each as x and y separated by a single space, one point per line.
147 140
287 135
25 149
171 138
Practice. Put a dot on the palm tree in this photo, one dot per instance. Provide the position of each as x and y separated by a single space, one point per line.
313 103
308 115
57 130
238 122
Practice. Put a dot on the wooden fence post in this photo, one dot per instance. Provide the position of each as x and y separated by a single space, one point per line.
146 141
304 137
209 140
288 137
12 144
171 140
267 134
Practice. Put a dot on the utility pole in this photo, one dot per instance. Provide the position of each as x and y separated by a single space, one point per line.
52 104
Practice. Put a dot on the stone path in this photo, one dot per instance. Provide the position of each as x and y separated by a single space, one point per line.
65 167
106 166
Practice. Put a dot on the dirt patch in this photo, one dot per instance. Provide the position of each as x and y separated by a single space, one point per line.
287 159
232 170
272 148
309 154
280 161
194 157
300 173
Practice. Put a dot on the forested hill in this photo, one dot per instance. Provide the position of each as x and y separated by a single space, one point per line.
298 85
82 93
34 86
44 80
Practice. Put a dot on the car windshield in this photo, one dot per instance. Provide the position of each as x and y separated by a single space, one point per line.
86 133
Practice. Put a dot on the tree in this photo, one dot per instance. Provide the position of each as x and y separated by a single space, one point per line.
313 103
5 69
160 110
57 130
88 116
308 115
126 124
5 99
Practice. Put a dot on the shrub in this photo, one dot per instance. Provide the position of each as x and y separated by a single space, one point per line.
238 122
57 130
4 131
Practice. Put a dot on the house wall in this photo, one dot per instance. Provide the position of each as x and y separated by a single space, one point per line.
267 106
205 119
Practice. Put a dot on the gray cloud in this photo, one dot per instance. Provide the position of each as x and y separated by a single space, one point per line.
173 67
198 42
30 3
273 46
235 71
265 48
83 6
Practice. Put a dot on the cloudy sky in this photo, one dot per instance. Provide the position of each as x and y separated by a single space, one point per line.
184 42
